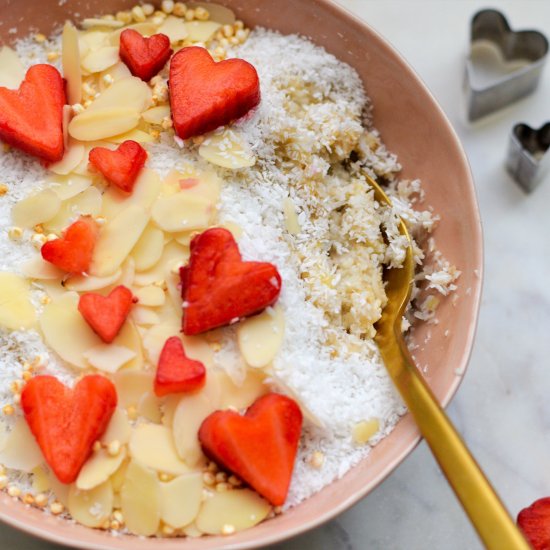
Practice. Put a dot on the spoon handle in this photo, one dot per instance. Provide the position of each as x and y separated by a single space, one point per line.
488 515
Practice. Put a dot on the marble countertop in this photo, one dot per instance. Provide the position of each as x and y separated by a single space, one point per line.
502 407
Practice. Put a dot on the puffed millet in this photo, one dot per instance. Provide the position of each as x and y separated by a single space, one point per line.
148 9
38 228
114 525
239 24
17 398
180 9
241 35
209 478
138 14
157 20
41 499
40 38
132 412
3 189
167 530
167 123
221 476
228 31
220 53
56 508
87 89
155 134
167 6
189 15
235 481
14 491
124 16
97 446
15 386
77 108
52 56
28 375
117 516
87 103
212 467
113 449
222 487
38 240
107 79
202 14
15 233
316 459
228 529
3 481
28 498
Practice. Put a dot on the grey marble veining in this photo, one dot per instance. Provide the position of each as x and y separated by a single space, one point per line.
502 408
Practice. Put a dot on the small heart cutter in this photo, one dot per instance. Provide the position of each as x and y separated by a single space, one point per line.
527 45
529 155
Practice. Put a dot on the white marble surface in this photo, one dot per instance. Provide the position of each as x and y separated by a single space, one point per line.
502 408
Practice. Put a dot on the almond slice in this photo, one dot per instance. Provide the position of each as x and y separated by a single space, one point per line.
150 295
135 135
59 490
100 60
130 93
108 357
201 31
91 22
174 28
291 218
71 185
92 41
100 124
70 59
99 468
180 499
86 203
218 13
117 238
192 531
260 337
204 184
183 212
152 445
35 209
129 338
91 508
140 499
241 397
149 407
117 72
12 71
227 149
144 316
71 159
66 331
172 255
118 429
155 338
148 249
155 115
16 310
37 268
40 479
117 480
238 510
21 452
131 385
127 273
81 283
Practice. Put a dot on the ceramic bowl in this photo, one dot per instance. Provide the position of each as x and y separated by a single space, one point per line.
413 126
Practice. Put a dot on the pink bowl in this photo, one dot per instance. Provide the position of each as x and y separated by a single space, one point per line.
413 126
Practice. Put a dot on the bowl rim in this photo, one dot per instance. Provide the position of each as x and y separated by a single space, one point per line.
64 539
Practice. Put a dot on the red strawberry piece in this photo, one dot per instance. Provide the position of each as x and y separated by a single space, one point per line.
31 118
205 94
534 521
259 447
145 57
106 314
177 373
120 167
218 288
72 252
66 422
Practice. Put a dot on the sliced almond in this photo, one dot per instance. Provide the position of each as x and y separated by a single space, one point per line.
183 212
150 295
131 385
69 186
100 60
239 509
92 41
155 338
152 445
205 184
241 397
91 508
144 316
70 59
155 115
218 13
71 159
99 468
21 452
140 498
40 479
149 407
291 218
260 337
227 149
59 490
91 22
16 310
192 531
129 338
127 272
118 429
174 28
135 135
172 255
192 409
35 209
180 499
37 268
66 331
12 71
148 249
117 479
201 31
117 72
100 124
117 238
108 357
365 430
130 92
81 283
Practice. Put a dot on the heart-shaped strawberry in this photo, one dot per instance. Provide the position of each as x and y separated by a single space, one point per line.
177 373
218 288
66 422
205 94
72 252
145 57
534 521
120 167
31 118
106 314
259 447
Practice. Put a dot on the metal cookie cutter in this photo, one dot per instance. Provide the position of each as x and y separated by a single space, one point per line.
529 154
530 46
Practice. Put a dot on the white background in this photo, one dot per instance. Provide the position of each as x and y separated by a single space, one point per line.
503 406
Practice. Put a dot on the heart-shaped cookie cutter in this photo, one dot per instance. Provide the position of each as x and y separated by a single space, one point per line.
529 154
527 45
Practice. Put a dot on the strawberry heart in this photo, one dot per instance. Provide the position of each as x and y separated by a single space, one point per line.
177 373
145 57
205 94
259 447
66 422
106 314
72 252
121 166
31 118
218 288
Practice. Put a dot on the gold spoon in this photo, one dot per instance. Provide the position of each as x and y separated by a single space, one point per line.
488 515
